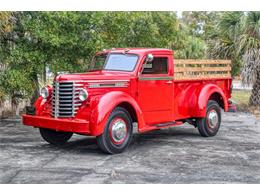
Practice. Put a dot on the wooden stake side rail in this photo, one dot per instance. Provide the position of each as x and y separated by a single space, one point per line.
201 69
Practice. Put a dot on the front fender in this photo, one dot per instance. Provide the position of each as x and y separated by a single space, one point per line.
104 106
203 96
39 105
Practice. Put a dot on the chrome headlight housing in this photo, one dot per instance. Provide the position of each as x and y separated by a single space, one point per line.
45 92
83 95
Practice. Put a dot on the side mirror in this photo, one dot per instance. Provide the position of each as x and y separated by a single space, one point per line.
149 57
147 63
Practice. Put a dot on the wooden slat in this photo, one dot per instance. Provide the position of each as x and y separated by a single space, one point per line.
191 61
201 69
200 78
189 77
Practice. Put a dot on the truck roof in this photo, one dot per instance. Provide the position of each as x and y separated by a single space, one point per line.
137 50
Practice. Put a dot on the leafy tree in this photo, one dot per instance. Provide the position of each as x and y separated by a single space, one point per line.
5 27
60 40
194 48
16 85
187 44
200 23
66 41
138 29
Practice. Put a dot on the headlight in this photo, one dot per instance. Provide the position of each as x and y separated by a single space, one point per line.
45 92
83 95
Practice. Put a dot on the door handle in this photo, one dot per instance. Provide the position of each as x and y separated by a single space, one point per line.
168 82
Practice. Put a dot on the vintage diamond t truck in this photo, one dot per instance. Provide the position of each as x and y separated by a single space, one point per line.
124 86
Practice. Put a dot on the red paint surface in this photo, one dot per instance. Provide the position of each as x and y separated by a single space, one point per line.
153 101
75 125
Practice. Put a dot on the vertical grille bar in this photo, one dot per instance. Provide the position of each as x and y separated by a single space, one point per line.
65 101
73 94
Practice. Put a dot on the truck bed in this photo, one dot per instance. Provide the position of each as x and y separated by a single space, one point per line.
191 75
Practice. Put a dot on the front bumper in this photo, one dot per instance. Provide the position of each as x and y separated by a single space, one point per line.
58 124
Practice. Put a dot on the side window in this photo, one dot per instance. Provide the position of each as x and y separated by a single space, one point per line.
159 65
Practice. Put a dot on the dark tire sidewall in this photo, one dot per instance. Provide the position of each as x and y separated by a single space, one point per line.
55 137
203 127
214 131
106 143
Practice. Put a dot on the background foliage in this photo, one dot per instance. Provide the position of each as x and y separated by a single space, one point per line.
33 42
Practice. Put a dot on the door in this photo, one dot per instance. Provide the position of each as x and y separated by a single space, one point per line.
155 90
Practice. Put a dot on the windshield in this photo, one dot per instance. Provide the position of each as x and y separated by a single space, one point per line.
121 62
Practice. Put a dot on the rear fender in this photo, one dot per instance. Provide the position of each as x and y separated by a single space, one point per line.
203 97
105 104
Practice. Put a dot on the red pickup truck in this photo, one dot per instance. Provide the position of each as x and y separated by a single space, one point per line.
137 85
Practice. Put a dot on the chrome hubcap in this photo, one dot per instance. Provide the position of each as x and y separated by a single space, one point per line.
119 130
212 118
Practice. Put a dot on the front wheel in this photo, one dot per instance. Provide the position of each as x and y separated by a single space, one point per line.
55 137
209 125
118 132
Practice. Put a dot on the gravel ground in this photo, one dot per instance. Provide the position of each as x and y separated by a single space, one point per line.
175 155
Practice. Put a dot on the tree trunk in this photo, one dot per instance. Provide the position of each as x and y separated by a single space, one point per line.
1 108
14 104
255 95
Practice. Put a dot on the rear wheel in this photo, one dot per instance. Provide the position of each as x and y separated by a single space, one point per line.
118 132
55 137
209 125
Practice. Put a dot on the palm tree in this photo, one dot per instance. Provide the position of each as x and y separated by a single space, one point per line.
237 37
222 42
249 46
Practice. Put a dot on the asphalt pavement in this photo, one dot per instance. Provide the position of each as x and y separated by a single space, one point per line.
174 155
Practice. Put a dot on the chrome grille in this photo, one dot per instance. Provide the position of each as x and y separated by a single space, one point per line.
65 101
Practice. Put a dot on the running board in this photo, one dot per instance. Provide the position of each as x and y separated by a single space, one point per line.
159 126
165 124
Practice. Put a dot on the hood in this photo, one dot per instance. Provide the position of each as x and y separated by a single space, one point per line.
94 76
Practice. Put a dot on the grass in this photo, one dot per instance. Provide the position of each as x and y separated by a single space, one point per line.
241 98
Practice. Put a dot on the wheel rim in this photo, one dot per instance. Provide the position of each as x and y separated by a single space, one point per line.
212 119
118 131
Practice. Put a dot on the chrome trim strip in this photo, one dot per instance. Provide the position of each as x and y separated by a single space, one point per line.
108 85
112 81
91 81
155 78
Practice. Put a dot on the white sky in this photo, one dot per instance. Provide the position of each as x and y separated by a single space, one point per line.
130 5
